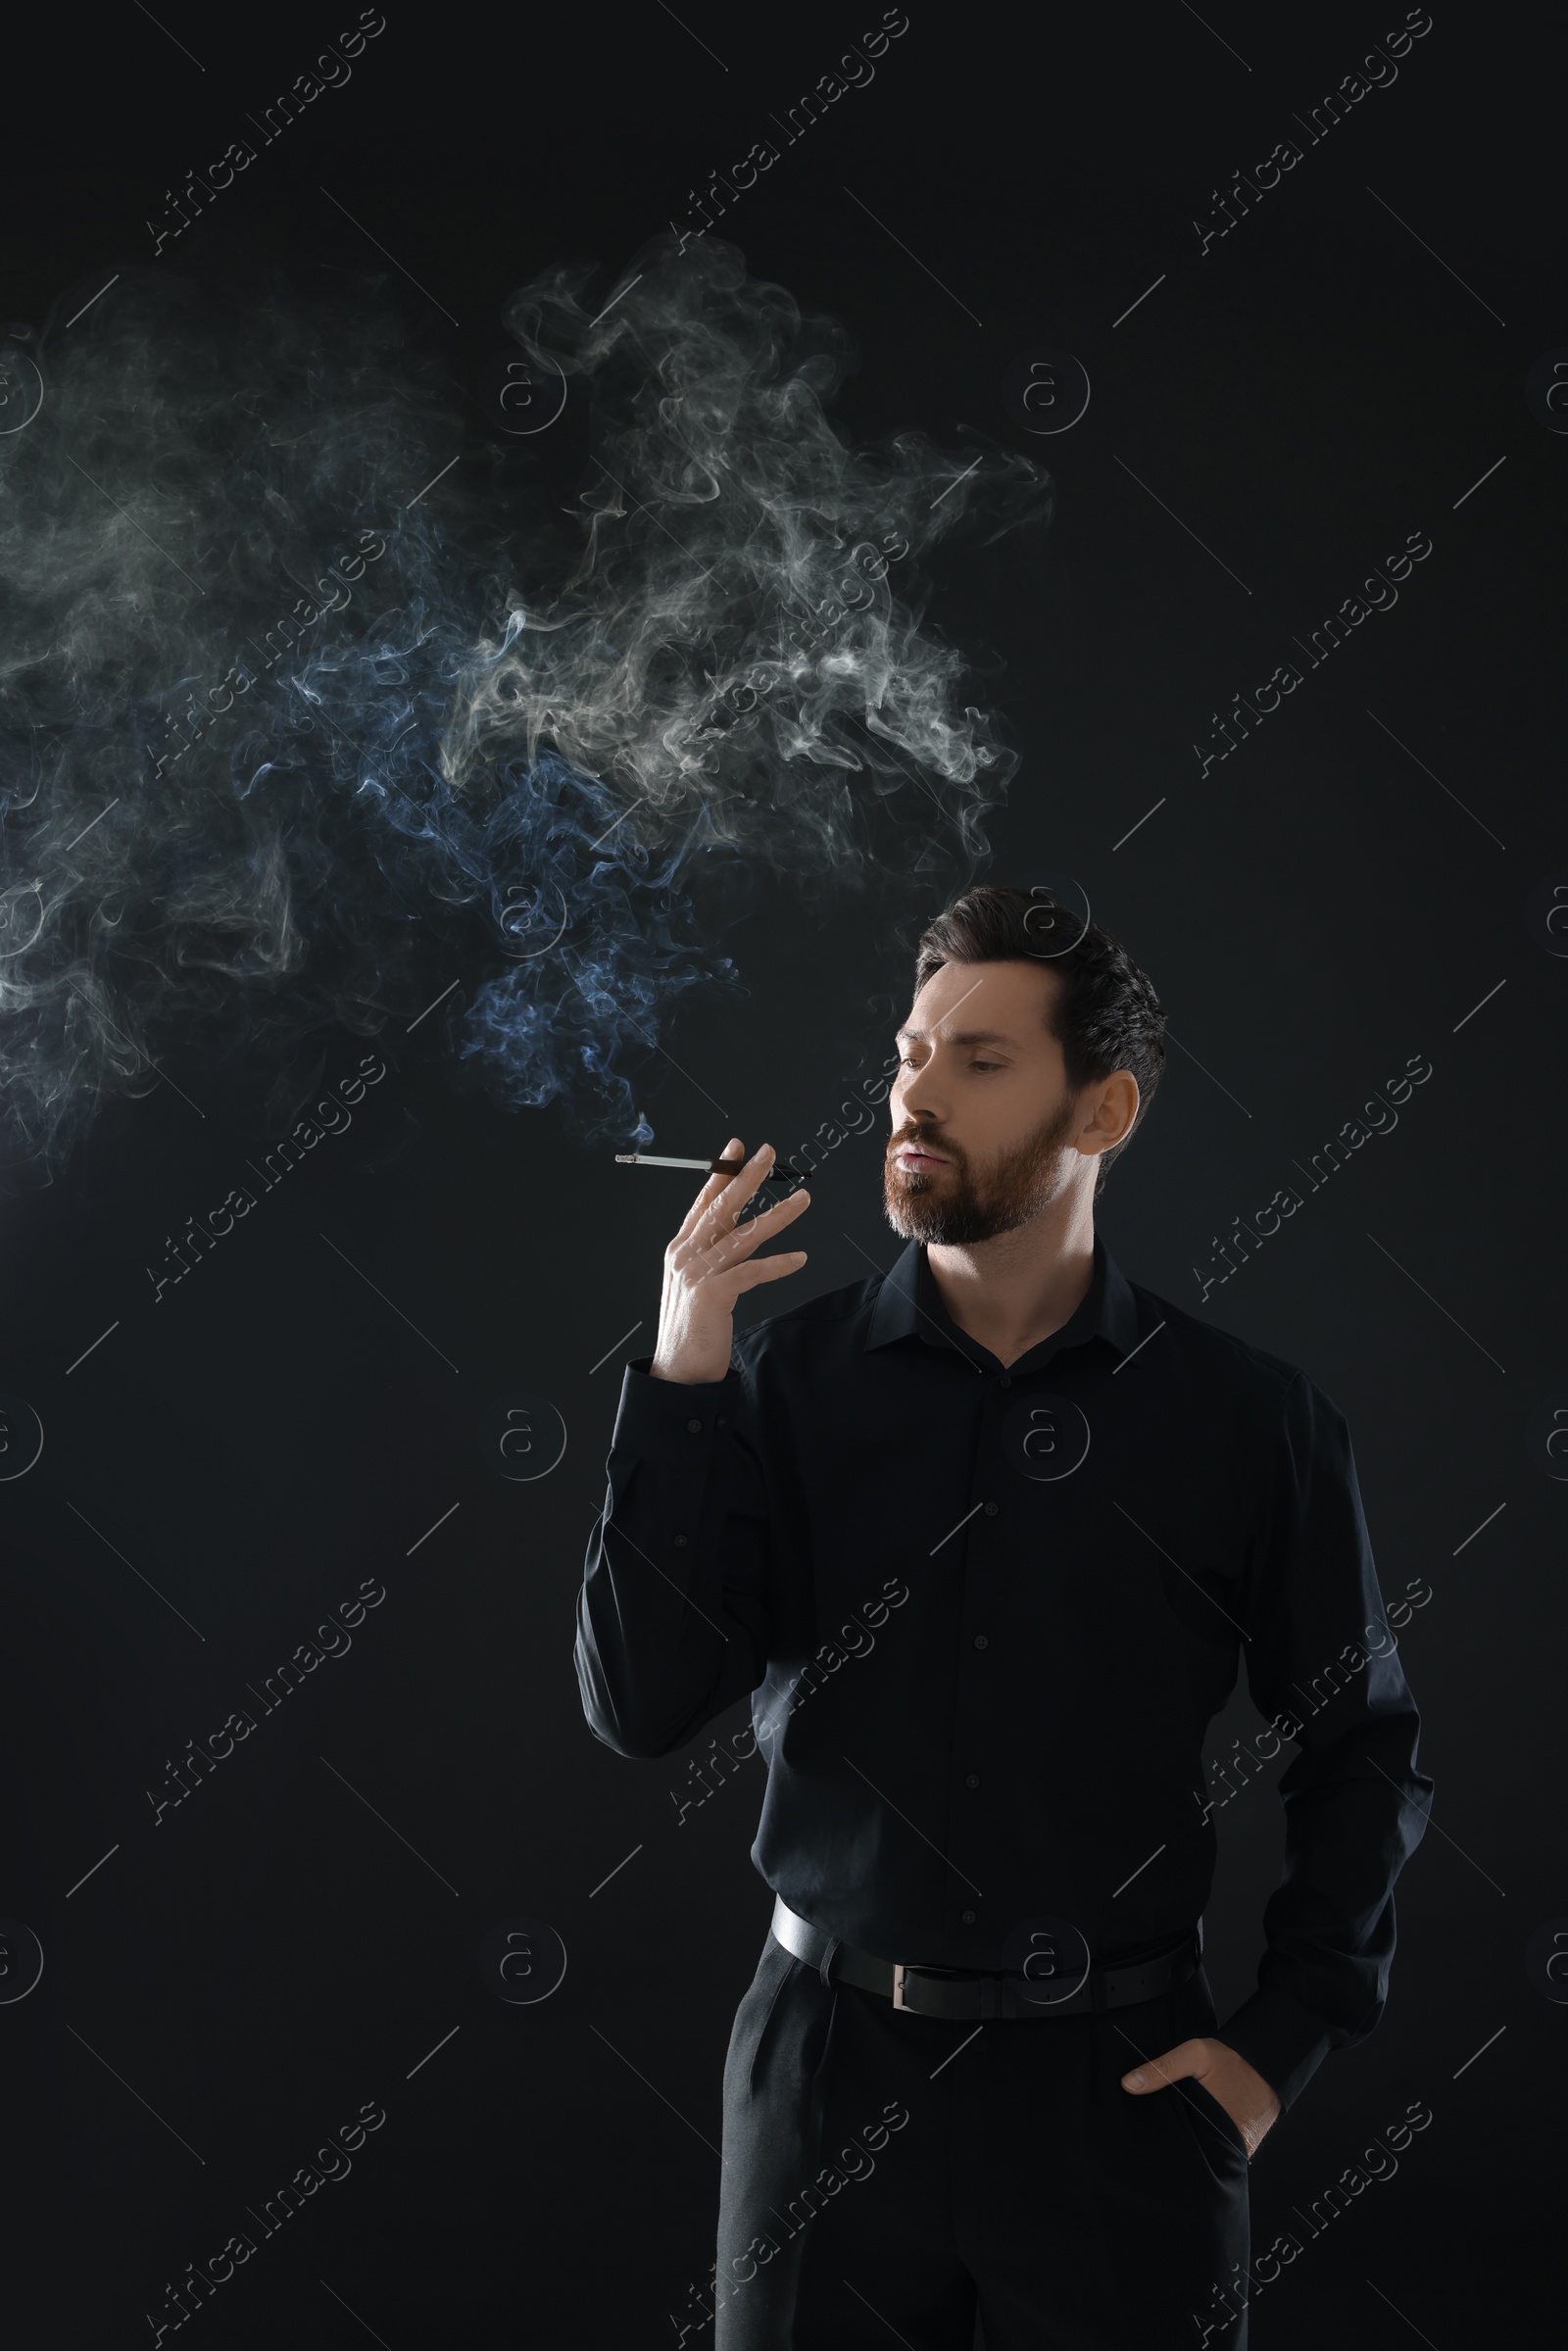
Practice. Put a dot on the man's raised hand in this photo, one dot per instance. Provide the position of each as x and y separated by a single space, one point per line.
711 1261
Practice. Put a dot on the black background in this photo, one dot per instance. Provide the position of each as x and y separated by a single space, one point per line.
229 1988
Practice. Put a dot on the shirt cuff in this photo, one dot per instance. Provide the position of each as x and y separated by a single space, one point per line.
672 1420
1280 2039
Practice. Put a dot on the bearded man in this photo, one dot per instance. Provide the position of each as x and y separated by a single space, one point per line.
979 2072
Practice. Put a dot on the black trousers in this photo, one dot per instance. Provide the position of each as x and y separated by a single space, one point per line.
888 2172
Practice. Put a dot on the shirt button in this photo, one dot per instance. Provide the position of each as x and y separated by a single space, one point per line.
973 1778
680 1541
719 1422
991 1509
980 1641
695 1426
968 1918
1004 1379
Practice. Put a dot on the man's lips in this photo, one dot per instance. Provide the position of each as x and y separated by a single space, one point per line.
912 1155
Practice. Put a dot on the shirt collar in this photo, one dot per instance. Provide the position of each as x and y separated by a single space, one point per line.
909 1301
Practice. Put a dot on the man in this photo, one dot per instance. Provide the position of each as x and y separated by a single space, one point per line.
986 1538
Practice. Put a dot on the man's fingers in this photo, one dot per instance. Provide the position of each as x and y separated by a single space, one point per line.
712 1190
1176 2065
723 1210
726 1248
719 1202
718 1227
768 1269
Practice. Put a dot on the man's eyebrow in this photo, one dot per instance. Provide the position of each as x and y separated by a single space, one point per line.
960 1037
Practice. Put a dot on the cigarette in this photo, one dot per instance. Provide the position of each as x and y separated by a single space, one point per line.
725 1167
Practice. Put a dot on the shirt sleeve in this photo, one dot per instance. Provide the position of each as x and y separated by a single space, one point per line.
671 1619
1321 1663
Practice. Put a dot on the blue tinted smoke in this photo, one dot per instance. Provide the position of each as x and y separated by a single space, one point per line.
304 726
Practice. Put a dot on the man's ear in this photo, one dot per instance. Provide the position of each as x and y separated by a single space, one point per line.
1120 1098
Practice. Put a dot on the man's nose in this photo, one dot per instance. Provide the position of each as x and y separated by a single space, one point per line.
921 1100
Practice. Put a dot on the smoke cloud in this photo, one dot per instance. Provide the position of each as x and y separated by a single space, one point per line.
302 723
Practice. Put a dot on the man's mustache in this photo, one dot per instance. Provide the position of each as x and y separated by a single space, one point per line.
914 1139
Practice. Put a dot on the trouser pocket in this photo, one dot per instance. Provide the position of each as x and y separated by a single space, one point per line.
754 2019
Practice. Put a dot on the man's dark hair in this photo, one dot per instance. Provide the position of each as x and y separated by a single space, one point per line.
1105 1014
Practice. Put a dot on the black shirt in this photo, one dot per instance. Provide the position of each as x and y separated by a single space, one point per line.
986 1617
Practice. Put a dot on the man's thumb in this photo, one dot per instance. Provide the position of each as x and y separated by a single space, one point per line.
1154 2074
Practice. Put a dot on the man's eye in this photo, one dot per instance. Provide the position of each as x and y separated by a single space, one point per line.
985 1065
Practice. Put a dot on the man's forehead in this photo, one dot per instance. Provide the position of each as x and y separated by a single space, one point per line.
1004 1001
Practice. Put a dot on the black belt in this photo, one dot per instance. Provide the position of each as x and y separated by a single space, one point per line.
948 1992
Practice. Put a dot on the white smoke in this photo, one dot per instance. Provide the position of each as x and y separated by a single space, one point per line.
285 743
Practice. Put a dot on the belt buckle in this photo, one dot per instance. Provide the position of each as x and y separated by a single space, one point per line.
898 2000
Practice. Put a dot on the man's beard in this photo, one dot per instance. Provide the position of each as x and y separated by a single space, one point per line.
953 1207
